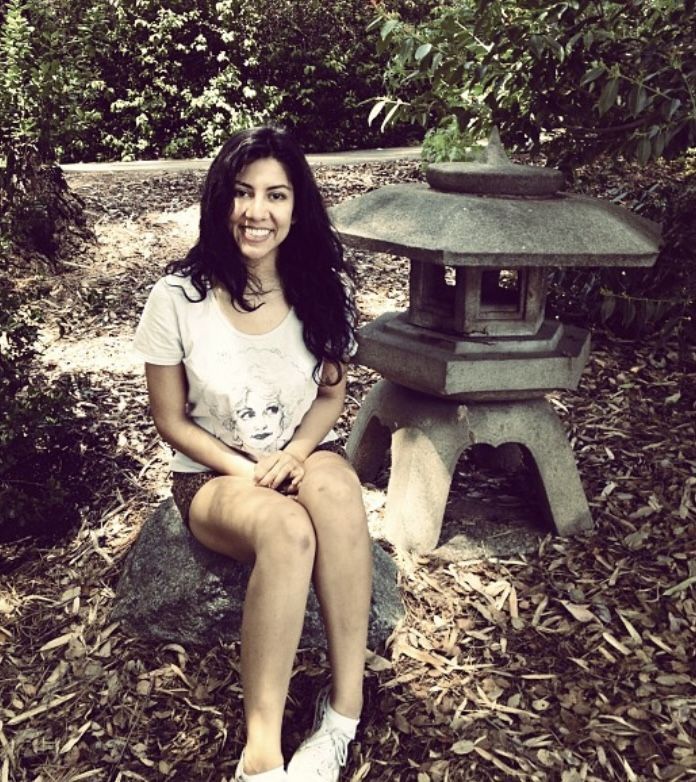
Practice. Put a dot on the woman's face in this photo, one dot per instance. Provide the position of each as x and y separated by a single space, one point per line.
261 213
259 420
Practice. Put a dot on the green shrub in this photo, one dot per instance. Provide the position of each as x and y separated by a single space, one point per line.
597 76
49 453
323 64
176 80
448 144
634 302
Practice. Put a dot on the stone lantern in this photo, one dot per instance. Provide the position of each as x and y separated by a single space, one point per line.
471 359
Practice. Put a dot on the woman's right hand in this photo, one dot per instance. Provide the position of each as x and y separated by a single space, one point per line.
280 471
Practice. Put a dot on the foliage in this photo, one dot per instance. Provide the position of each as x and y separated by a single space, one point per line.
47 452
172 80
449 143
43 472
42 74
598 76
324 69
176 80
634 302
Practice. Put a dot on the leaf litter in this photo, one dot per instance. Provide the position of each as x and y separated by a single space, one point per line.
570 662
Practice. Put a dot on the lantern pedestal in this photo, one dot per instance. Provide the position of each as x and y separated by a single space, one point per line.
428 435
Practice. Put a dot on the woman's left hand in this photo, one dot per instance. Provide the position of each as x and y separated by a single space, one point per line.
280 471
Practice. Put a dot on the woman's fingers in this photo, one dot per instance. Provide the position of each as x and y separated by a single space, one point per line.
275 469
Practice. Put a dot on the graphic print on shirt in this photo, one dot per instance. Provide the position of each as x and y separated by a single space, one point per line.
255 399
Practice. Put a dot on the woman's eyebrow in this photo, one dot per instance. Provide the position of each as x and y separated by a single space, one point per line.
271 187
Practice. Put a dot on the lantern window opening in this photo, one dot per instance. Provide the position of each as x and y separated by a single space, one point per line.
502 291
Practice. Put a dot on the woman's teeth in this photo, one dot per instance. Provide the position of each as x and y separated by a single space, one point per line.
257 233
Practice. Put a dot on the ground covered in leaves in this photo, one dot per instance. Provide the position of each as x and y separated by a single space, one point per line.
572 661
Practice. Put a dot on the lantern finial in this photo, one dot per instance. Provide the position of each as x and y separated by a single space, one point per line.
495 152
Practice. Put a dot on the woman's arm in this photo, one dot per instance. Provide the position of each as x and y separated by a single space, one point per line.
273 470
319 419
166 386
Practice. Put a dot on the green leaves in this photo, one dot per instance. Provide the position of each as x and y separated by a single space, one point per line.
593 74
637 99
614 77
422 51
388 28
608 97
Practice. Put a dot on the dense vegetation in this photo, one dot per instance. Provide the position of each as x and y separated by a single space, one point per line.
593 77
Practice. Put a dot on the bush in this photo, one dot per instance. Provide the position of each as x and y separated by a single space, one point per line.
170 80
323 66
634 302
41 68
176 80
48 453
448 144
598 76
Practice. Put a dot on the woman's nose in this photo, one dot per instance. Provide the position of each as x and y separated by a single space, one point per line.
257 208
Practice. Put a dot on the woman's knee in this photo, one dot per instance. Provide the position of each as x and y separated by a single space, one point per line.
285 532
334 501
337 486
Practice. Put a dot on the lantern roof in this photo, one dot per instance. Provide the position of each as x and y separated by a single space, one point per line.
496 214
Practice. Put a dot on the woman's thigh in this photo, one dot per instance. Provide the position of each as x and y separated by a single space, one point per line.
234 517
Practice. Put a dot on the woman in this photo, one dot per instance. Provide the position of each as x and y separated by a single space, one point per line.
267 274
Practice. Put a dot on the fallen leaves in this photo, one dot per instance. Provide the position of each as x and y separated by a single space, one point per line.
572 663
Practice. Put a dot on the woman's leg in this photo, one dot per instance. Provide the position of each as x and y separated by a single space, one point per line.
330 491
258 525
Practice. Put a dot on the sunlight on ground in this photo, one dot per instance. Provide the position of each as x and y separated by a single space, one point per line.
110 354
372 305
183 222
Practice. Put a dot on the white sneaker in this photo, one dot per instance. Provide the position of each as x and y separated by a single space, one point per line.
323 754
275 775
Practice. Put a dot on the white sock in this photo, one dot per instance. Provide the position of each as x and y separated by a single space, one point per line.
347 725
274 775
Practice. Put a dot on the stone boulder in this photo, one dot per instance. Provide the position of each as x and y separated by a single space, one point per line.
174 589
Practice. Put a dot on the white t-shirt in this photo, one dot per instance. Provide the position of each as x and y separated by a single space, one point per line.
251 391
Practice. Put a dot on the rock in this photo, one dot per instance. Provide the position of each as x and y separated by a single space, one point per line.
174 589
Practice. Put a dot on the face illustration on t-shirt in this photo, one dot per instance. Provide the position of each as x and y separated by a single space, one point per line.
256 399
259 420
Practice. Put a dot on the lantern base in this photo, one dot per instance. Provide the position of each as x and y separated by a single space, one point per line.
428 435
474 368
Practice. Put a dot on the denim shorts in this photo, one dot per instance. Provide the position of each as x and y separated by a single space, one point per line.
185 485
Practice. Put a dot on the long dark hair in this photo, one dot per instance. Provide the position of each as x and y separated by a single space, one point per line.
311 266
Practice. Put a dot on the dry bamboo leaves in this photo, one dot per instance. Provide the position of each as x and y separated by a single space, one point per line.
574 664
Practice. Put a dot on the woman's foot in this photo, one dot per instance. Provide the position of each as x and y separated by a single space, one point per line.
324 753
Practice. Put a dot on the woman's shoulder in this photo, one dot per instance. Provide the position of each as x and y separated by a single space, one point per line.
176 287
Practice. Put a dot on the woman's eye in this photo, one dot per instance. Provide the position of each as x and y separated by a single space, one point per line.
278 196
246 414
273 409
239 193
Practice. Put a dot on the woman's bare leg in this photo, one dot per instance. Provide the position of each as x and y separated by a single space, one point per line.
330 491
260 525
